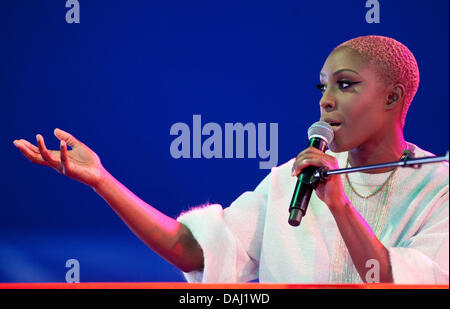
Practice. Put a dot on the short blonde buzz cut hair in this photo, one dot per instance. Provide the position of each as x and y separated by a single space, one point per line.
392 60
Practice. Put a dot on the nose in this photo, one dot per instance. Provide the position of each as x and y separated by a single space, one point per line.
327 103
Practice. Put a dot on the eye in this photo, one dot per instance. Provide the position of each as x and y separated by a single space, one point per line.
344 84
321 87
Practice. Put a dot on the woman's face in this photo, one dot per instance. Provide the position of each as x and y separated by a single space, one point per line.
353 100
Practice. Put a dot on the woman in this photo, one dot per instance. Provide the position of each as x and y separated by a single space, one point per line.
387 225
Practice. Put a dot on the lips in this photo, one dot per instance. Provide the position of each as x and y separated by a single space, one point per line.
333 122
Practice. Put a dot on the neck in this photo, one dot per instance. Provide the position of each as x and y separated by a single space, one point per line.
389 148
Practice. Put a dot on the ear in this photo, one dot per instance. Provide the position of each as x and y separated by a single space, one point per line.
395 97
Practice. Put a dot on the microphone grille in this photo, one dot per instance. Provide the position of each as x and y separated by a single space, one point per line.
322 130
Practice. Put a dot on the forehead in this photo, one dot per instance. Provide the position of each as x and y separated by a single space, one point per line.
343 58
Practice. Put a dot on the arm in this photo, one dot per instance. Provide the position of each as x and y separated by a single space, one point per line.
169 238
359 239
421 257
166 236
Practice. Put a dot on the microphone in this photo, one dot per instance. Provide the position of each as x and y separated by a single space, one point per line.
320 134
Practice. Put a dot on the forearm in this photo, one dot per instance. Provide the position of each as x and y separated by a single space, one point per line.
166 236
361 242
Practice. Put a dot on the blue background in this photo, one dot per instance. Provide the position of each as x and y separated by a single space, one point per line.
118 81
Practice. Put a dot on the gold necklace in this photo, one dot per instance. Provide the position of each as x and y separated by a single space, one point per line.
375 212
373 193
405 154
342 267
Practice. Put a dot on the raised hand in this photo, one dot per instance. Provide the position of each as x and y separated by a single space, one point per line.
166 236
80 163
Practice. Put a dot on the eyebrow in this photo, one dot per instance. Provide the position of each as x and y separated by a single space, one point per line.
339 71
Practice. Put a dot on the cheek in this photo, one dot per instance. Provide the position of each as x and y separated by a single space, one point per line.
362 112
360 120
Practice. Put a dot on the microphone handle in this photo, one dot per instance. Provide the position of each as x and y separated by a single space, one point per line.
304 187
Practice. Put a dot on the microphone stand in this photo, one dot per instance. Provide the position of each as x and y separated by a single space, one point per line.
322 174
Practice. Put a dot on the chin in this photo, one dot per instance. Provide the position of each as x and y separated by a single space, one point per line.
336 146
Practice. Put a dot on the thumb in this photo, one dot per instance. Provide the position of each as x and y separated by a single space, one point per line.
67 137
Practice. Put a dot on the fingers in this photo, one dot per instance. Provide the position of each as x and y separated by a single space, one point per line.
29 145
46 154
30 151
300 165
64 157
313 157
66 137
41 155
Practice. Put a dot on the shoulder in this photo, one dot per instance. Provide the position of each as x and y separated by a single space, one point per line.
427 183
438 171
